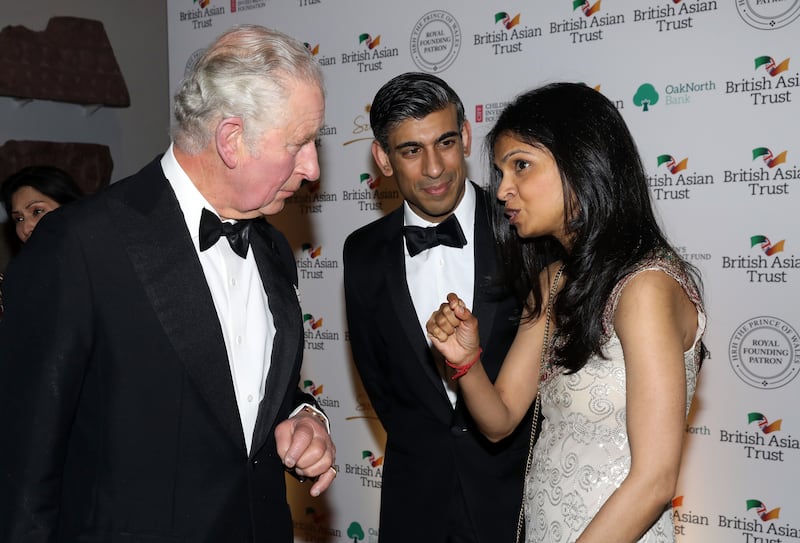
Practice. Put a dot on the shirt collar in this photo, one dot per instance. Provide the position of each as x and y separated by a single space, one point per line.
190 200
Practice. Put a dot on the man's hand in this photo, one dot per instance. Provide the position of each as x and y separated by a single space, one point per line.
305 445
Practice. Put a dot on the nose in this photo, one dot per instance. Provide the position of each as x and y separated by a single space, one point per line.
433 165
505 190
26 228
308 162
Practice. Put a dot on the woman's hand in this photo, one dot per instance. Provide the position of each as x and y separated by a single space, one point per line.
453 330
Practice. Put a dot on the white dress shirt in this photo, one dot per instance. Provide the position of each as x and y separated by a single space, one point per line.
435 272
239 297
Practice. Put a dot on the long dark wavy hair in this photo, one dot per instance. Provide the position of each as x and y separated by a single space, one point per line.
608 212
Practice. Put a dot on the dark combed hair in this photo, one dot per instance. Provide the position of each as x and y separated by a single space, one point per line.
608 212
412 95
53 182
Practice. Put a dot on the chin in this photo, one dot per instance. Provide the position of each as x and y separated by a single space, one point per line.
272 208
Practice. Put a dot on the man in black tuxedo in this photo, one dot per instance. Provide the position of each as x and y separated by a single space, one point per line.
148 382
442 480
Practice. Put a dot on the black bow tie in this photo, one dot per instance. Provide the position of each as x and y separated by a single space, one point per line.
211 229
448 232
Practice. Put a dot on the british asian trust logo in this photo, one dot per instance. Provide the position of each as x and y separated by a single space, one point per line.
316 390
673 180
370 54
310 199
760 523
762 440
588 23
507 35
774 82
765 263
368 471
201 14
314 525
369 196
321 59
316 336
677 15
771 177
684 518
312 264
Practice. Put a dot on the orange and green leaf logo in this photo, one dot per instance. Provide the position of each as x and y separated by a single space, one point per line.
369 41
587 8
766 245
372 459
310 387
671 164
763 423
677 501
508 21
770 160
203 3
761 509
312 252
372 182
309 319
771 66
314 50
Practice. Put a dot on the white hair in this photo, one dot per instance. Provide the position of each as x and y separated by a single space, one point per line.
245 73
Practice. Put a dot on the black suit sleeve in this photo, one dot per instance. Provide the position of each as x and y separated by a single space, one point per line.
46 339
368 352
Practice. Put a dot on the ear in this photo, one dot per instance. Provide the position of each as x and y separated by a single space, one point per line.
381 159
229 140
466 137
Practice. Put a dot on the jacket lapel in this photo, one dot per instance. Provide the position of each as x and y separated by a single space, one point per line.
161 251
485 264
285 308
400 297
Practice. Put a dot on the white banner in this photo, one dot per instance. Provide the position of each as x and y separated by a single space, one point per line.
711 91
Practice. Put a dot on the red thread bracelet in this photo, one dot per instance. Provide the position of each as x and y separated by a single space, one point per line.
463 369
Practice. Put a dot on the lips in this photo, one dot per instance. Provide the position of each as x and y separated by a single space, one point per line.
511 215
437 190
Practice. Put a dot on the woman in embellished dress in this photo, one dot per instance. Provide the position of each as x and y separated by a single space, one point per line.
625 327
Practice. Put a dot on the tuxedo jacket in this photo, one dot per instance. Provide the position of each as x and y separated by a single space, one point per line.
116 399
431 448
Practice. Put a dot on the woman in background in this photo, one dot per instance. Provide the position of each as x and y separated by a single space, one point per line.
31 193
621 312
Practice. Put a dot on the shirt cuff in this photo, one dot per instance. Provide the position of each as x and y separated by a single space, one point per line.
314 411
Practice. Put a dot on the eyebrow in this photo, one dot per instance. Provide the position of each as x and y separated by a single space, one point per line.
511 153
27 206
446 135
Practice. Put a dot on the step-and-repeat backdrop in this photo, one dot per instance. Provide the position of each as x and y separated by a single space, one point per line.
711 91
